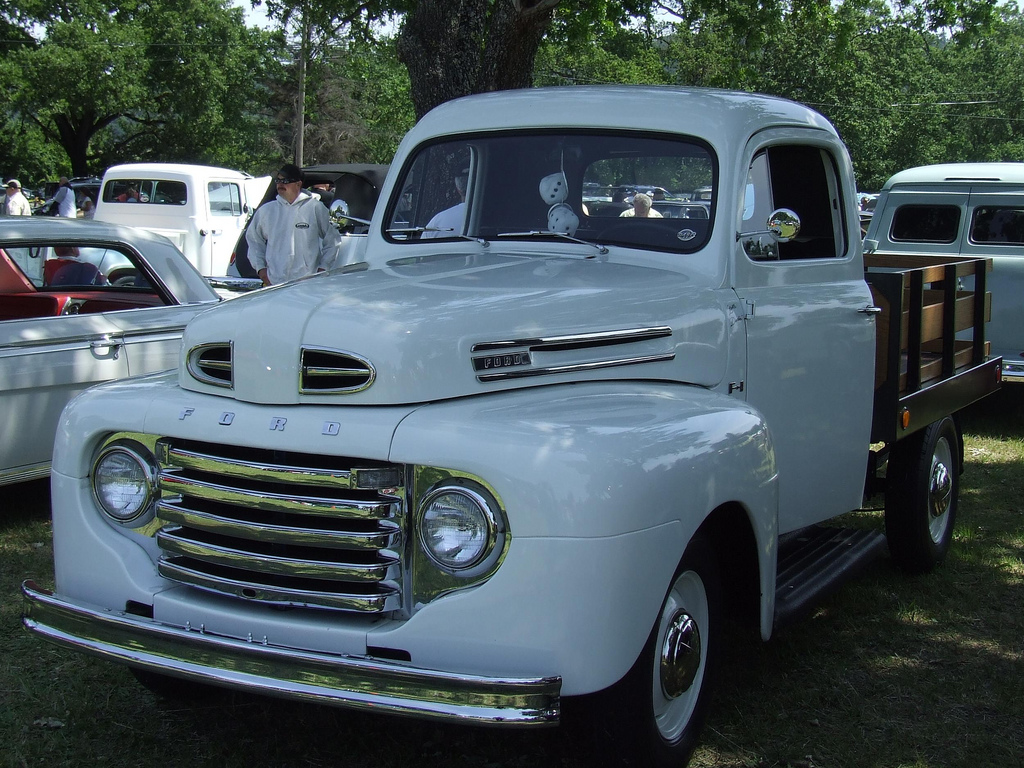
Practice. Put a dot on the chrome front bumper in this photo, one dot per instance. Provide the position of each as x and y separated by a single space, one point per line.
345 681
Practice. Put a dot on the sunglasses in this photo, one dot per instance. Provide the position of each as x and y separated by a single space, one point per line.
286 181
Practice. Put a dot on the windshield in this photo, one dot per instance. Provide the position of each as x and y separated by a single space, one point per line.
605 188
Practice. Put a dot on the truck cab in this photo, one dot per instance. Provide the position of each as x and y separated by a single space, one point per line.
201 209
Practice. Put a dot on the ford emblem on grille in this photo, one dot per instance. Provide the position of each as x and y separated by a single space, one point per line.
325 371
211 364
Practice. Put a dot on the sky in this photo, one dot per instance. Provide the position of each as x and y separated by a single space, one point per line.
254 18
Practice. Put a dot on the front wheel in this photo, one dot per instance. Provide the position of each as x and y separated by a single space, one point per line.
654 715
921 498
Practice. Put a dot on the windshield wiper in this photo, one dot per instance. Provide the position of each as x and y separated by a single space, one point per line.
544 233
450 232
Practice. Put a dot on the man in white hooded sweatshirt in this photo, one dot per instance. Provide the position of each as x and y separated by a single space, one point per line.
291 236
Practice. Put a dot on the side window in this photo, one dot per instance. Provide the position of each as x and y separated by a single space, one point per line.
225 198
925 224
757 195
803 179
998 226
57 279
433 203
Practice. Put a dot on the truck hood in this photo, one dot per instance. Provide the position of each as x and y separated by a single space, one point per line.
440 327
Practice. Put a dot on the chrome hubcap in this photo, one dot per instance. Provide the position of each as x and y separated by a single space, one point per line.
940 490
680 655
677 674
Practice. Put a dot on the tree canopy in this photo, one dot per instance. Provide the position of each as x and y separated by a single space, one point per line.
93 82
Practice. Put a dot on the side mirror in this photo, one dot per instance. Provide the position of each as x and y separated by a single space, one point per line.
783 225
341 218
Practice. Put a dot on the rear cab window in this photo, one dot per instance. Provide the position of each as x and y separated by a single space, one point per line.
149 191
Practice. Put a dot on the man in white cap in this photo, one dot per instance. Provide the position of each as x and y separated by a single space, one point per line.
15 203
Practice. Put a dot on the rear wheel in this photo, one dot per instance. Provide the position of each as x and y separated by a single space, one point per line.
921 498
654 715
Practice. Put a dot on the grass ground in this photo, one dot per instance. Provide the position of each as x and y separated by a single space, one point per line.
893 672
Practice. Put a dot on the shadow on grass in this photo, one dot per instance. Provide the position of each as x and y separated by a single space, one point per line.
1001 414
898 671
23 500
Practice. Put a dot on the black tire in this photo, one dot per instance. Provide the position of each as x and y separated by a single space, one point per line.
655 714
922 496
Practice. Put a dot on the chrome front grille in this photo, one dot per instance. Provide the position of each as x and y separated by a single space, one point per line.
282 528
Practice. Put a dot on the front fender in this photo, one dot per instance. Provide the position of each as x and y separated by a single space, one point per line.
603 484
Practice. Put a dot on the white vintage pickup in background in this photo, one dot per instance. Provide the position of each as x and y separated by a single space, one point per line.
199 208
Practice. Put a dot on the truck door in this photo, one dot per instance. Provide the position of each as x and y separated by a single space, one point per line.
225 219
44 362
995 230
810 364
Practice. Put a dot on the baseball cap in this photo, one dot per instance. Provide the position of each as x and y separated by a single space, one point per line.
14 183
289 174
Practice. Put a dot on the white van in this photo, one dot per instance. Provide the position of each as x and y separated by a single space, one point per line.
964 209
199 208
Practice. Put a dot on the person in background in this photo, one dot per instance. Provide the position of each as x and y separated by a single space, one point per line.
130 195
291 236
64 199
66 268
15 203
641 207
88 208
450 221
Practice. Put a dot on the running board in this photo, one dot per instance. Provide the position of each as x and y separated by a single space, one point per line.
815 562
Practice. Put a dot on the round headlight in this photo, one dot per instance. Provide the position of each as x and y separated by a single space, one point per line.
124 482
456 527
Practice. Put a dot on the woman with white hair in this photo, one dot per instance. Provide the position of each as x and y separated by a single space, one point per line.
641 208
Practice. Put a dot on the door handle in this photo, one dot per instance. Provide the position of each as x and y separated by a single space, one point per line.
870 310
108 345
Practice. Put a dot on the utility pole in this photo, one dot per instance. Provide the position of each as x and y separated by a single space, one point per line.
300 107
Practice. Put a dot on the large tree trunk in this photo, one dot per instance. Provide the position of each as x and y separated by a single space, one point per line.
75 134
453 48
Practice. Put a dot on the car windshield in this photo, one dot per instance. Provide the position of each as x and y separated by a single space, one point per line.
623 188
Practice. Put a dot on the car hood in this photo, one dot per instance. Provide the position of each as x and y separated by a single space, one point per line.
420 330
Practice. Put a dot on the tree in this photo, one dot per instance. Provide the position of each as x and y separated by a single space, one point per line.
454 48
134 79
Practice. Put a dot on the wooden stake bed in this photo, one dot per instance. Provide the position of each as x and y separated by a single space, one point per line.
930 350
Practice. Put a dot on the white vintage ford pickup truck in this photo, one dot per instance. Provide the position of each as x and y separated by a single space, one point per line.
611 360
